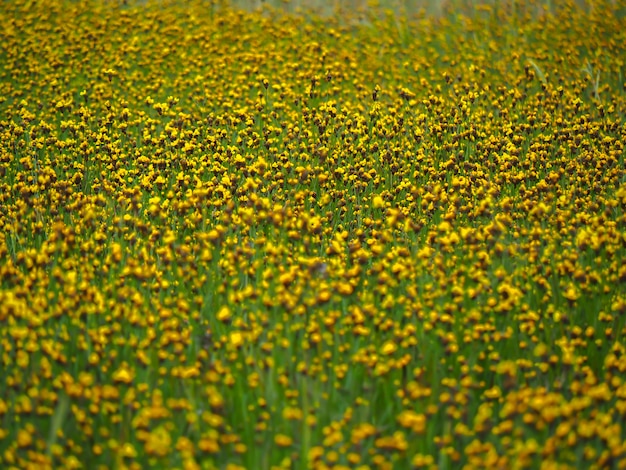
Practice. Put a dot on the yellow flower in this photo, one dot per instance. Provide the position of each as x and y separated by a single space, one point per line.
123 374
24 438
236 338
421 460
378 202
224 314
493 393
159 442
397 441
571 294
345 288
314 225
389 348
209 445
291 413
128 451
283 440
541 350
415 421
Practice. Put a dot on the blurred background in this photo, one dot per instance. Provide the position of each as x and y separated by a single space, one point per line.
410 7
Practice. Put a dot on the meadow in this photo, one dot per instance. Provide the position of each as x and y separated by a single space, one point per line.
247 239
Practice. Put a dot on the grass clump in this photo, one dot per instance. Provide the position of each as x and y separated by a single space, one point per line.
252 240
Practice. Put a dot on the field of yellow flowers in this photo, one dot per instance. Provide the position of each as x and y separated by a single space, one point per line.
238 239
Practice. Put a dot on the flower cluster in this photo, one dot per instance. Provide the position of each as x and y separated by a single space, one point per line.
254 240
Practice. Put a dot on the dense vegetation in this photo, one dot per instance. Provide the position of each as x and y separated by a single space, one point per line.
251 240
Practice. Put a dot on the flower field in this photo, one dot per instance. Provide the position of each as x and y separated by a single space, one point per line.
253 240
